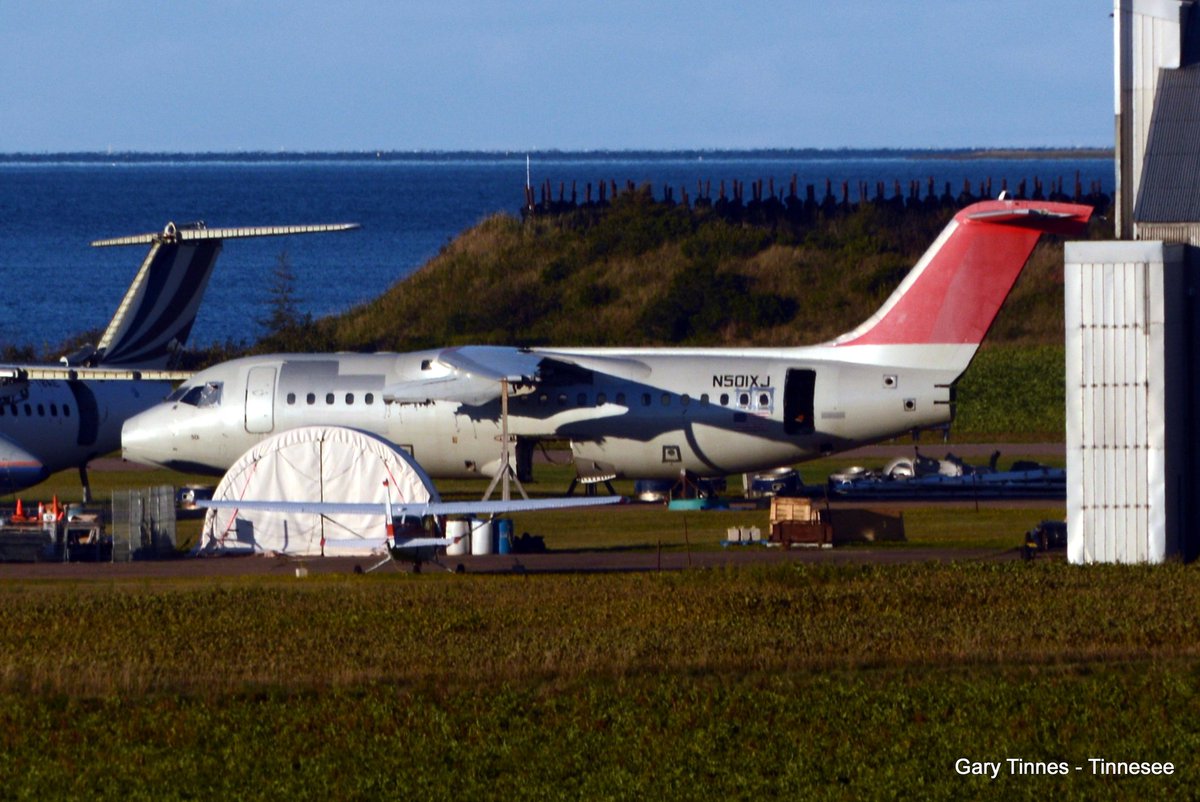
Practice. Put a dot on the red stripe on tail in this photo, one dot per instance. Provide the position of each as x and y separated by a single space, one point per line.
953 294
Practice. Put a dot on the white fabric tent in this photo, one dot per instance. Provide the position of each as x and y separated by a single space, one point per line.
322 463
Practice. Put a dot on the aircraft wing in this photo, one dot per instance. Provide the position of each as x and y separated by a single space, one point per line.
401 509
474 376
476 371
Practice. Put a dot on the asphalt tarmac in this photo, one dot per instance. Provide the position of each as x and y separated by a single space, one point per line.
575 561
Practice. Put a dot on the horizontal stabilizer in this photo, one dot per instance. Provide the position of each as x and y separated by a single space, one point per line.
197 232
42 372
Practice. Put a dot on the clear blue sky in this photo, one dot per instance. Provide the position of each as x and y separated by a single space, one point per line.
220 75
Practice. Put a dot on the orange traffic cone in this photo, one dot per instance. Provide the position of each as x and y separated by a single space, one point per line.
20 513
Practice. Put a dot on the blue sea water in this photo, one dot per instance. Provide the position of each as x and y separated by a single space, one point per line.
55 286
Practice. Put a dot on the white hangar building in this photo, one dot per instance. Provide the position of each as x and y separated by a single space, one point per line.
1132 322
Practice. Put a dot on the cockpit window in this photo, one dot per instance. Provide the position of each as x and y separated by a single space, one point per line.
202 395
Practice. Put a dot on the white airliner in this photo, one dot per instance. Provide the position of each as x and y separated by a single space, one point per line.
633 412
54 417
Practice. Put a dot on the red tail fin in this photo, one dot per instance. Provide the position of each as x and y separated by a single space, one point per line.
953 293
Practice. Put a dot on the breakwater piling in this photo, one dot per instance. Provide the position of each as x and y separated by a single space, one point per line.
768 202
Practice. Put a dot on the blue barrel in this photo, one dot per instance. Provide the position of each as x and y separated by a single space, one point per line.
504 529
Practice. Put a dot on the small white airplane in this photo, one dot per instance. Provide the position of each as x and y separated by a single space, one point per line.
633 412
411 528
54 417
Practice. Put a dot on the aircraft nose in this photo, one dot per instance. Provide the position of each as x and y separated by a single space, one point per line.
146 438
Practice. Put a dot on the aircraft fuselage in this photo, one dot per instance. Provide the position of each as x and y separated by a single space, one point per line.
708 412
48 425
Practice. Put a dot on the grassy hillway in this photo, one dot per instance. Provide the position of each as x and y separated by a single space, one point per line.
646 273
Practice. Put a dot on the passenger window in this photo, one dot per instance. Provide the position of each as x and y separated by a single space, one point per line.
645 399
724 399
369 398
704 398
562 399
291 398
311 398
601 399
329 398
28 411
41 411
349 399
66 411
744 400
54 410
581 400
685 399
666 399
621 399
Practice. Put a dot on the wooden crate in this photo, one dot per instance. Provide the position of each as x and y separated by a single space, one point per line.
807 533
791 509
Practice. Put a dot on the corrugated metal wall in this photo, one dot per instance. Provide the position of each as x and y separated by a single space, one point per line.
1169 232
1148 37
1126 394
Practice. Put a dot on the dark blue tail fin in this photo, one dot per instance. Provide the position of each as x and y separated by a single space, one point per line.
156 315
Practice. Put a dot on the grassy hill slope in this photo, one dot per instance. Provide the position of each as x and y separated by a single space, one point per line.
645 273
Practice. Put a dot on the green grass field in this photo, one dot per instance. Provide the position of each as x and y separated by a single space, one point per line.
788 682
784 682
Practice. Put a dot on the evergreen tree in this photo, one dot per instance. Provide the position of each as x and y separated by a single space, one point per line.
283 318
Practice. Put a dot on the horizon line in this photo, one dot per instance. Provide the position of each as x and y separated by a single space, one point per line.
373 153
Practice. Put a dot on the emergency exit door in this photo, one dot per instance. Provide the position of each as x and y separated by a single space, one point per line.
260 400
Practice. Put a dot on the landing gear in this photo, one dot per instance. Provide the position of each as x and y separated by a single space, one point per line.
87 487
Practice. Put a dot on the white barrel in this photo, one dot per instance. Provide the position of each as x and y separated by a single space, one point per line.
460 529
481 537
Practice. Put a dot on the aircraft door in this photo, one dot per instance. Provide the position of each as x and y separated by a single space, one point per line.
798 401
260 400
